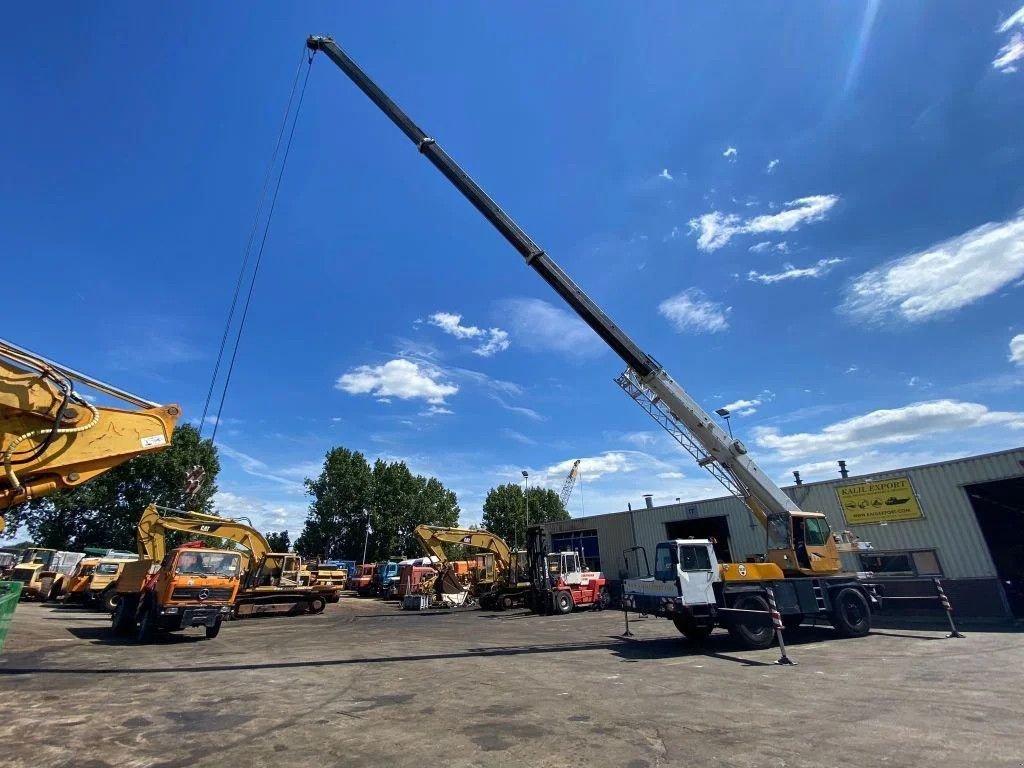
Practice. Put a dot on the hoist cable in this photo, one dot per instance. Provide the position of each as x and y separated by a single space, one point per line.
247 253
263 243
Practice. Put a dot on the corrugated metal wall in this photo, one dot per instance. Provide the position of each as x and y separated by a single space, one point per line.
948 525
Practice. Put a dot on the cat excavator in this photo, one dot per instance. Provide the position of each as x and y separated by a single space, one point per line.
52 437
499 583
271 582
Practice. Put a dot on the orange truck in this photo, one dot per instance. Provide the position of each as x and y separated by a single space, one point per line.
191 586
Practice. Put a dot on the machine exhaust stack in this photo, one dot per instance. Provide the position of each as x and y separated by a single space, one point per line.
843 471
796 476
649 500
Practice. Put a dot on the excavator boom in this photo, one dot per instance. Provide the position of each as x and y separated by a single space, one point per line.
51 437
432 538
154 525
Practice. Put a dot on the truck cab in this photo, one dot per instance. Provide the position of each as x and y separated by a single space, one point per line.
102 588
385 579
193 586
684 578
43 572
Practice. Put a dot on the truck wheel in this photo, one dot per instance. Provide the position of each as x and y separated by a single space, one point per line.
212 632
123 620
54 591
110 599
755 636
147 624
563 602
850 613
604 599
692 631
506 602
317 605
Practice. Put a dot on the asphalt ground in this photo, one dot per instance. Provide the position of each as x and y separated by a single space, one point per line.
365 684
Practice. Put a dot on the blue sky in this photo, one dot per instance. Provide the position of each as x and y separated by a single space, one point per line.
815 209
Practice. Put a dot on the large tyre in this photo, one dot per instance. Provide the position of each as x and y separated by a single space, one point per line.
123 620
316 605
212 632
604 599
54 592
691 630
850 613
147 623
109 599
563 602
753 636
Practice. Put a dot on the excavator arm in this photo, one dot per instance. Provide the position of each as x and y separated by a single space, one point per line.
51 437
431 538
154 525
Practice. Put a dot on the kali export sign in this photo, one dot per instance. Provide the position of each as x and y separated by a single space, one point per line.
881 501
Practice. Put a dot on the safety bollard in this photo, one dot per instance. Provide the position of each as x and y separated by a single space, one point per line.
625 613
777 624
948 609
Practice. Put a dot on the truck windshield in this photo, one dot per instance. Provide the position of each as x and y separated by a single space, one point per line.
38 557
107 568
208 564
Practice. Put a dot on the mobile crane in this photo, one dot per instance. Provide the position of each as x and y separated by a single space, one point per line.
802 561
52 437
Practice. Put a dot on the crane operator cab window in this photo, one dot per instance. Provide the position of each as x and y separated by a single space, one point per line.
554 565
778 531
694 557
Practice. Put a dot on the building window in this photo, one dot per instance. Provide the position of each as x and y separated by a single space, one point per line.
585 542
922 562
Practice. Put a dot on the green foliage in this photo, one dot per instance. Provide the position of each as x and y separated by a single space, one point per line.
105 511
505 511
348 493
279 542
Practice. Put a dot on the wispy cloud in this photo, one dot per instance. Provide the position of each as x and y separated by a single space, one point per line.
538 325
772 165
665 175
942 278
730 154
437 410
400 378
789 272
692 311
1013 50
522 410
743 407
519 437
715 229
490 340
290 477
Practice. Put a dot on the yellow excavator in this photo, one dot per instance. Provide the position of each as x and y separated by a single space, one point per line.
500 582
271 582
52 437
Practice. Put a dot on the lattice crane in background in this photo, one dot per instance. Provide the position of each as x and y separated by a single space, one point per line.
569 484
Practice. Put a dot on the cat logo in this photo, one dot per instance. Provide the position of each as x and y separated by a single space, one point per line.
206 528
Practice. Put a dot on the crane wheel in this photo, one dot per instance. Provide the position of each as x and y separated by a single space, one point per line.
563 602
691 630
317 605
755 636
850 613
505 602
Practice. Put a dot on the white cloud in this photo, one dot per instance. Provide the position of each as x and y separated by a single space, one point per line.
692 311
539 325
1017 345
665 174
743 407
1013 51
594 467
266 515
492 340
942 278
437 410
789 272
852 369
403 379
527 412
290 477
887 426
671 475
772 165
731 153
519 437
716 229
762 247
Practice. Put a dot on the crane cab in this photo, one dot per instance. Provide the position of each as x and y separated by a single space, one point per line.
802 544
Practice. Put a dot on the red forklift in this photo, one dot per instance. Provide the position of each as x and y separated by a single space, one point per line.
559 584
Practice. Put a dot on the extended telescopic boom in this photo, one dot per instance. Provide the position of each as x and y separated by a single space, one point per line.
735 469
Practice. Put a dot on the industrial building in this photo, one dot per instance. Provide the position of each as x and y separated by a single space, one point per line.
960 520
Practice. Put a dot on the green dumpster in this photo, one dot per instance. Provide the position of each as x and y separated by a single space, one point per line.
10 591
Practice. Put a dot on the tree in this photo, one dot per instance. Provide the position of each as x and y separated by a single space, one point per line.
349 495
505 510
279 542
105 511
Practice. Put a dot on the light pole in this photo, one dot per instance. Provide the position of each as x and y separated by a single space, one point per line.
526 495
366 540
724 413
